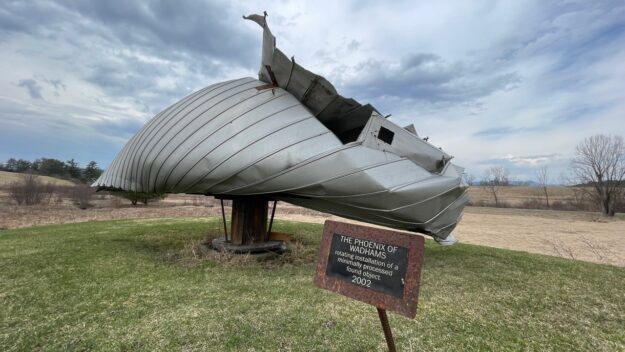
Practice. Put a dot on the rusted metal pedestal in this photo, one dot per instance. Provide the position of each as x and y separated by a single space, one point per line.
249 232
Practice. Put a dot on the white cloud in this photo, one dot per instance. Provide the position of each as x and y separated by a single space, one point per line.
525 79
531 160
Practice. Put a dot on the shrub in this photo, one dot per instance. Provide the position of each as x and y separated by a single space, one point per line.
560 205
115 201
533 203
135 197
30 191
499 204
81 195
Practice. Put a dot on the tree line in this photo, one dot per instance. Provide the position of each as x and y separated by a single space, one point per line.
54 168
596 174
30 190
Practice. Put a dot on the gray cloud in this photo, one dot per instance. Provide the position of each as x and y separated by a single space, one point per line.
152 53
66 119
114 64
427 77
33 88
57 84
18 16
353 45
162 27
121 128
506 131
173 29
121 76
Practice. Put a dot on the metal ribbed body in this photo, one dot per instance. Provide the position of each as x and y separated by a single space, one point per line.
245 137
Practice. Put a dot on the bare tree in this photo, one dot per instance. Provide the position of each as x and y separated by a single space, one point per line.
469 179
543 180
599 162
494 178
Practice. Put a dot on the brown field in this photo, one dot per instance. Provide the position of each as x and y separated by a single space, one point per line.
10 177
576 235
105 207
516 195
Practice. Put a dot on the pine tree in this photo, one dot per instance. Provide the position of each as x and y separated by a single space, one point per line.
72 169
91 172
23 165
11 165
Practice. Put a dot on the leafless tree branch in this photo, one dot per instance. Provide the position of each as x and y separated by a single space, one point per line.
543 180
599 163
494 178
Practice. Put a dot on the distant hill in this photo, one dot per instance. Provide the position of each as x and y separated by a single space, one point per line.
9 177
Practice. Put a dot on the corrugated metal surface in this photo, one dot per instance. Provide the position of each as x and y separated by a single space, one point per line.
243 137
344 116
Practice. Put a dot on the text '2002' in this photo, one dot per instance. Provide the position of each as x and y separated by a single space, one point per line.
375 265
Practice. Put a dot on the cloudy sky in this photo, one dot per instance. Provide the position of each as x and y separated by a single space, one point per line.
510 83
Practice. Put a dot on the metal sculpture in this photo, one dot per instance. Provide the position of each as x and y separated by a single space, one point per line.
290 136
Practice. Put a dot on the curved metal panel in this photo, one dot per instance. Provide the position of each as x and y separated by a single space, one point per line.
290 136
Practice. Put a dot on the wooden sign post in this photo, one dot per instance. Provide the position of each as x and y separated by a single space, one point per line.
376 266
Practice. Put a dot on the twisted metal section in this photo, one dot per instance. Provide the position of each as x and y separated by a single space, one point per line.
292 137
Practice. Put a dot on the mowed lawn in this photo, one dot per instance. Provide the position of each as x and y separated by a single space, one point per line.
143 285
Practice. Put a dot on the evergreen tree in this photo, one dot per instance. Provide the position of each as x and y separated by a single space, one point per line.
91 172
22 165
35 165
72 169
52 167
11 165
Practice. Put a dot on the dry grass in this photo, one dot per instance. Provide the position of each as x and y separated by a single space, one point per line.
517 195
26 216
10 177
196 252
577 235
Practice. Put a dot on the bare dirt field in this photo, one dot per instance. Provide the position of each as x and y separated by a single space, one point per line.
575 235
519 194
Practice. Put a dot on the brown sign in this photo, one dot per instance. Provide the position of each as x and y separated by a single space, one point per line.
372 265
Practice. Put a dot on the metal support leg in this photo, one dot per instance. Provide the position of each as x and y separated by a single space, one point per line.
223 216
273 213
388 335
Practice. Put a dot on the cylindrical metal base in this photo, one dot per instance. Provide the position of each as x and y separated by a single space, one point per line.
249 220
248 227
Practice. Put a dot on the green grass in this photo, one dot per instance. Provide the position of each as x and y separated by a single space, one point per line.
135 285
